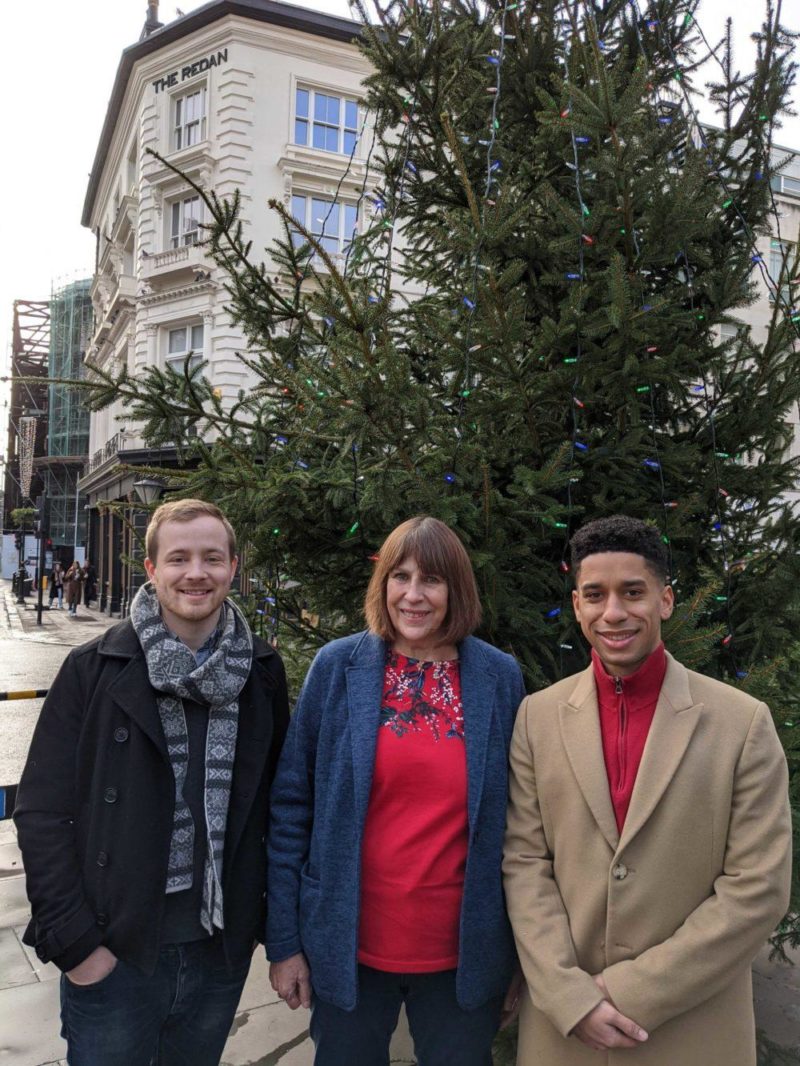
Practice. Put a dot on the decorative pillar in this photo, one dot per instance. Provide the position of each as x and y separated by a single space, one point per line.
115 583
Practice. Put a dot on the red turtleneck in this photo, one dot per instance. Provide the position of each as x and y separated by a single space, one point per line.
627 706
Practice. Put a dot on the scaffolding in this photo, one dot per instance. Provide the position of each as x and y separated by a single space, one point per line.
29 360
68 415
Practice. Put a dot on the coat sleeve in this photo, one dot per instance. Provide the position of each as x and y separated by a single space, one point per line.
291 815
558 986
63 928
723 935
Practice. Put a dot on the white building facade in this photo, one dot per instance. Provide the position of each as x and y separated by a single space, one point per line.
248 95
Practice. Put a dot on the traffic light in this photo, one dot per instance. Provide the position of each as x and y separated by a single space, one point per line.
41 520
18 539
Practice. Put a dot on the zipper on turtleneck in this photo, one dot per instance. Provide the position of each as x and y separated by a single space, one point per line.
622 734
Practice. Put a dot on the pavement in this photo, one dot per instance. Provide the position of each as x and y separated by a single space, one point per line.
265 1032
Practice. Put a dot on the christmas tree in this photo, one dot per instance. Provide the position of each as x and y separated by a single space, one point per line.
525 333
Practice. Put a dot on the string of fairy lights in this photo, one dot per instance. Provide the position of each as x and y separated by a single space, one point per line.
661 116
407 171
567 26
722 496
654 26
490 191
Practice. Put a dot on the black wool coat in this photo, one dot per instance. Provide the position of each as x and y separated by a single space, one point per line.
96 799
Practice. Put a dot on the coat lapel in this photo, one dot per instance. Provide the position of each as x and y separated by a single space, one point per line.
579 719
364 695
478 686
132 692
673 724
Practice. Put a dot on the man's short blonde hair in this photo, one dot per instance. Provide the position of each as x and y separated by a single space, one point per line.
184 511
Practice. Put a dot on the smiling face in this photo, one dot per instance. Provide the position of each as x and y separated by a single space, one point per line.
192 575
417 606
620 605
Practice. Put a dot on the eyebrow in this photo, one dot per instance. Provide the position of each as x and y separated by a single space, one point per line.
591 586
184 551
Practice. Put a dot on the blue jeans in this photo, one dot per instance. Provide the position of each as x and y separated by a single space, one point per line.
181 1016
443 1033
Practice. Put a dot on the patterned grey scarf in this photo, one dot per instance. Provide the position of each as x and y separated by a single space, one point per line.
174 673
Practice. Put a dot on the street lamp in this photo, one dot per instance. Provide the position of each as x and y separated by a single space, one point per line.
149 490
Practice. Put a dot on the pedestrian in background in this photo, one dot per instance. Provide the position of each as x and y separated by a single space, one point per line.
143 806
73 583
388 807
57 584
89 583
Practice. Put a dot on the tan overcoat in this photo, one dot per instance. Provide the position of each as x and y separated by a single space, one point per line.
673 912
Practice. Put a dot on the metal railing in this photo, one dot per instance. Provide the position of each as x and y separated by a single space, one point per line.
109 449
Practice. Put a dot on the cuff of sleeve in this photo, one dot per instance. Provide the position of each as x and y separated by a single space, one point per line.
567 1020
622 988
79 949
278 950
70 942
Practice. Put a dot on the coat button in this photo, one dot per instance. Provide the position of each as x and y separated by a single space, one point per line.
102 919
110 795
620 871
121 734
102 858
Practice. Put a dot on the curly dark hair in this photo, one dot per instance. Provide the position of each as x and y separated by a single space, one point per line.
620 533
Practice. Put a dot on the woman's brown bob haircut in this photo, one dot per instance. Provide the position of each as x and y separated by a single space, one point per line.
435 549
184 511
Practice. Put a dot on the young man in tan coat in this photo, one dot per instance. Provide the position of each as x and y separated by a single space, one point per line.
648 849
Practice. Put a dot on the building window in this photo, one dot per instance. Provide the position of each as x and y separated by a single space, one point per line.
780 252
190 119
185 218
180 342
332 223
325 121
786 184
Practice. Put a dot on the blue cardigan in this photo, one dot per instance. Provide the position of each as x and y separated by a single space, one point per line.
319 804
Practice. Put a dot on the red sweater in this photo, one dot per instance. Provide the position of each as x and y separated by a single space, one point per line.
627 706
415 838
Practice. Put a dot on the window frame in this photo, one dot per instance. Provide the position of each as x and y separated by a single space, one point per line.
177 238
177 358
317 224
778 249
179 141
312 121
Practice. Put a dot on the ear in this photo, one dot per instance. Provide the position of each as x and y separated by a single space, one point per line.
150 568
234 566
576 605
667 603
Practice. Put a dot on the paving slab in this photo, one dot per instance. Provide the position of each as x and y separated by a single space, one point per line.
266 1036
14 906
10 859
30 1025
15 967
8 831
